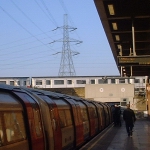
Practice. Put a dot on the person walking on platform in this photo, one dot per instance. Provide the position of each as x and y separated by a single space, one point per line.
129 118
117 115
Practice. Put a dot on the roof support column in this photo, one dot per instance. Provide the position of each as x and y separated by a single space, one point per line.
133 39
131 70
121 71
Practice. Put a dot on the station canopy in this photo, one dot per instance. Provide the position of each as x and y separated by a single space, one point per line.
127 27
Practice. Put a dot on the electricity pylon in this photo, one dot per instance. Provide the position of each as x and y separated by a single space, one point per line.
66 64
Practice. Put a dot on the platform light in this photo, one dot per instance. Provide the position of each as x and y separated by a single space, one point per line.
119 46
117 37
114 25
111 9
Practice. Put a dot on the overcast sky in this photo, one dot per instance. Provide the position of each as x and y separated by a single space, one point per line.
27 30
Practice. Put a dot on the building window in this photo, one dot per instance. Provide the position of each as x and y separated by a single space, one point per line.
58 82
18 82
24 83
2 82
48 82
38 82
113 81
69 81
143 80
121 80
92 81
11 82
102 81
137 81
81 81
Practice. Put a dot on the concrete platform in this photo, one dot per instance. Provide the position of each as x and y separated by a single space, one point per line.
116 138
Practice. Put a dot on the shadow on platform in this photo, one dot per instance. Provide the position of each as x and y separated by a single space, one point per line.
116 138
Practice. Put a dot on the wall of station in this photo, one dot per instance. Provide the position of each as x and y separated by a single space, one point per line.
122 93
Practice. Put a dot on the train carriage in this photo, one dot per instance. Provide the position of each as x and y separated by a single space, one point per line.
32 119
65 120
50 120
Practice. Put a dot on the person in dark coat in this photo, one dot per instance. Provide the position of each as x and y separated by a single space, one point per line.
117 115
129 118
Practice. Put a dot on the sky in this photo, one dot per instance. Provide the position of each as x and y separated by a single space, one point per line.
28 29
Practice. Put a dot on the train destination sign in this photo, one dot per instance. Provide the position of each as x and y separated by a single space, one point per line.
134 60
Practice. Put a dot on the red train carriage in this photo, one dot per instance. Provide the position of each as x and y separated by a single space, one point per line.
51 120
34 120
100 114
13 134
40 120
85 120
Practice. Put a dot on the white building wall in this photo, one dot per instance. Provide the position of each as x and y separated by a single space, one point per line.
110 92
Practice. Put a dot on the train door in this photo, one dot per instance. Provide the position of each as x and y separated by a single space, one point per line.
85 120
91 115
34 121
106 114
55 121
98 111
66 123
102 116
109 112
94 116
78 124
47 121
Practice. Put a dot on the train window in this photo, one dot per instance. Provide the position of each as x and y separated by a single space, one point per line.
25 83
1 133
68 117
137 81
113 80
81 81
48 82
121 80
11 82
62 118
84 114
18 82
69 81
36 114
92 81
38 82
58 82
37 122
14 125
102 81
2 82
94 113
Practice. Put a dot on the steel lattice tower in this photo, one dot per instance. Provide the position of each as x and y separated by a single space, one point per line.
66 64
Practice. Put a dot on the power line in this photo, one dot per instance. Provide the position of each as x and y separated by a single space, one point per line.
28 18
51 17
67 12
20 25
